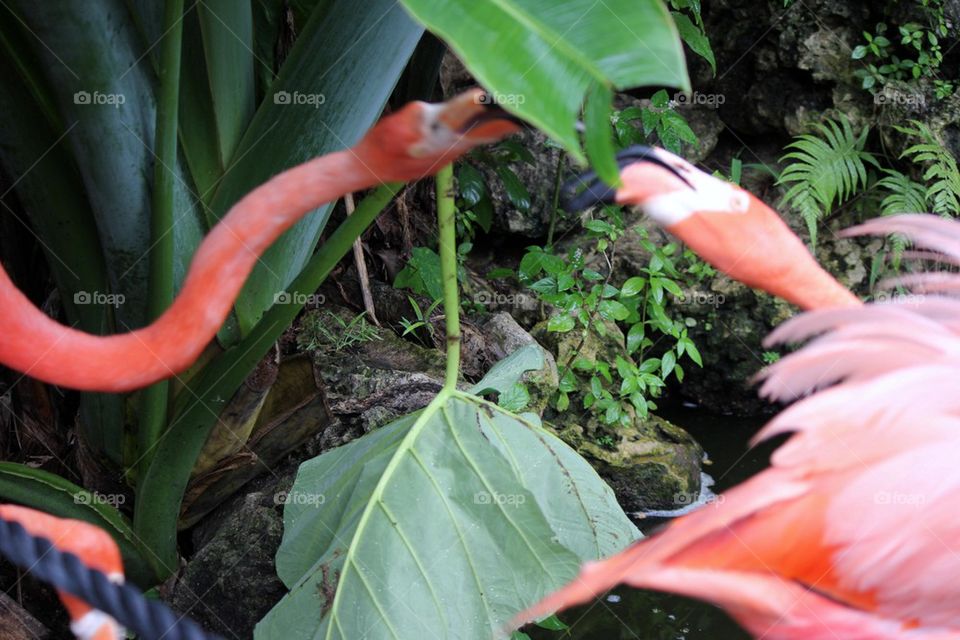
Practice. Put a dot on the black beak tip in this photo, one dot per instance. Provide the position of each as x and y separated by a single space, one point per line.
585 191
588 190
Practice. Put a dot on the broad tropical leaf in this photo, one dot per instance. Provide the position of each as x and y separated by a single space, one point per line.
54 495
105 97
330 91
381 535
558 50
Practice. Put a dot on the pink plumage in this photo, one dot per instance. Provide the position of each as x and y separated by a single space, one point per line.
851 533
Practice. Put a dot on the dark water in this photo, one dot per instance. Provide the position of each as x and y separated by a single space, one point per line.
630 614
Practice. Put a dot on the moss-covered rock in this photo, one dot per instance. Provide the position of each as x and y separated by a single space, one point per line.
655 465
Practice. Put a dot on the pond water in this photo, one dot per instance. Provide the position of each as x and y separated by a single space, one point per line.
630 614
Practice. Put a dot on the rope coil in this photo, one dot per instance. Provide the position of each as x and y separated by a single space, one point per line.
149 619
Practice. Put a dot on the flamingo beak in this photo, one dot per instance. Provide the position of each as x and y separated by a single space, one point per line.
475 115
587 189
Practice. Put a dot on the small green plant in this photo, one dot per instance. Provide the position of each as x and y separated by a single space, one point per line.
607 442
327 332
585 299
770 357
686 15
941 176
660 122
421 274
421 321
914 51
825 169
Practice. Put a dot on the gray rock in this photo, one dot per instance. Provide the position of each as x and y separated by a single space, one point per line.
231 582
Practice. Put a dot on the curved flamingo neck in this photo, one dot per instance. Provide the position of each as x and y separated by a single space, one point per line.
40 347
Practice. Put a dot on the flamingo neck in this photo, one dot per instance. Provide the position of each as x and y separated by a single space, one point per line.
35 344
817 289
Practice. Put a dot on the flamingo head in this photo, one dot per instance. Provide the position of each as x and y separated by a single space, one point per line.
724 224
420 138
94 547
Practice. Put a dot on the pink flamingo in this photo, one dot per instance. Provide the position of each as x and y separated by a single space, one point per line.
94 547
414 142
725 225
849 533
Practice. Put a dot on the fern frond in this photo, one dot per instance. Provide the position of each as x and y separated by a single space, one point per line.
826 168
941 175
903 194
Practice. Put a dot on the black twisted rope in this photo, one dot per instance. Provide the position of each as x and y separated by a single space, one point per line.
149 619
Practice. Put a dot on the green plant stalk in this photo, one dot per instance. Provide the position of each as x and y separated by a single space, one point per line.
447 222
197 408
154 399
557 184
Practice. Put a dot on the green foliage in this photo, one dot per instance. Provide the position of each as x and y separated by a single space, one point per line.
585 299
825 170
556 57
474 207
770 357
105 178
686 15
328 332
903 194
914 52
421 320
660 124
941 176
407 532
421 274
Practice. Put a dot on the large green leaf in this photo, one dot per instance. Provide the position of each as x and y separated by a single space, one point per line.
442 524
33 151
227 28
105 95
60 497
556 50
331 89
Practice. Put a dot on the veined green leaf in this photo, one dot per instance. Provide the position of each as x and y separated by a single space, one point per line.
59 497
557 51
380 534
